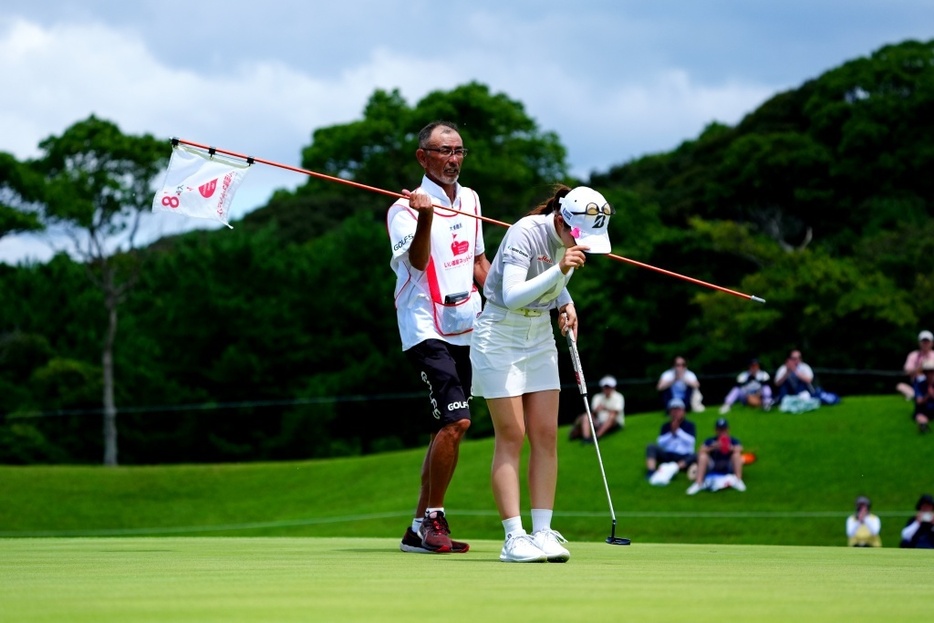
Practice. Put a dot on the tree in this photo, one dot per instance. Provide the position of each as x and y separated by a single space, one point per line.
98 184
16 215
512 163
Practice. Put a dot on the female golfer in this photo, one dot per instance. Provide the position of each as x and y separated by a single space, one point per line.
515 360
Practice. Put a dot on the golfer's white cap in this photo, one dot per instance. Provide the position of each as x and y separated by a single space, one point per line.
608 381
926 335
587 229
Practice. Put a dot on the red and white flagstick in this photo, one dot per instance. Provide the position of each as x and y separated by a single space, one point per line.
390 193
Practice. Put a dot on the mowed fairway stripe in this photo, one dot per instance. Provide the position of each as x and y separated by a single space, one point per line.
339 579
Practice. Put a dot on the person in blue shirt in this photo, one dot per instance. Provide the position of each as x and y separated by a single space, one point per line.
675 442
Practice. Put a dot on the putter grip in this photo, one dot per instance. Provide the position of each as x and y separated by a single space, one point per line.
576 361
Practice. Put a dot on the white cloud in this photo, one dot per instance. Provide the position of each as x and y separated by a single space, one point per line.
615 80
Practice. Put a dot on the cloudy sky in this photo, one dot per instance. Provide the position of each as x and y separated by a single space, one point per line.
615 79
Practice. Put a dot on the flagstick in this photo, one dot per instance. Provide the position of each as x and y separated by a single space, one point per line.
339 180
330 178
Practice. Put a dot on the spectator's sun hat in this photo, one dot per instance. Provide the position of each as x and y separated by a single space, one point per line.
587 213
608 381
926 335
675 403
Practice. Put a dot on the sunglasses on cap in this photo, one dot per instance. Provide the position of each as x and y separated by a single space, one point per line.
593 209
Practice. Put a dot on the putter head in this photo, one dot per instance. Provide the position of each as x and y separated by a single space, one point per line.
616 540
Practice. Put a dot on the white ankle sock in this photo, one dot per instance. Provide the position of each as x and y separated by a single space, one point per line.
541 519
416 524
513 526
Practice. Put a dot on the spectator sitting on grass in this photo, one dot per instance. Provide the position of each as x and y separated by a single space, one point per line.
720 455
914 362
862 527
794 377
918 533
923 410
752 388
673 448
607 410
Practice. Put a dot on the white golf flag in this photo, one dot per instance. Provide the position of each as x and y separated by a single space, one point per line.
199 185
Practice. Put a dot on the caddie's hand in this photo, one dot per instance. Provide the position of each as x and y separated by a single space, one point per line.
574 257
419 200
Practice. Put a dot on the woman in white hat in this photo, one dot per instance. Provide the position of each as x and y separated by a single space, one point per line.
608 409
914 362
515 359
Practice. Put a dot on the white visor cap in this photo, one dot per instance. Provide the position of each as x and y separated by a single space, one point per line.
587 213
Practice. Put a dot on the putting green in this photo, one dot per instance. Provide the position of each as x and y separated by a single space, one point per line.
339 579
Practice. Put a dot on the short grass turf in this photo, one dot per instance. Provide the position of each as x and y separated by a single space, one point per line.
810 468
205 579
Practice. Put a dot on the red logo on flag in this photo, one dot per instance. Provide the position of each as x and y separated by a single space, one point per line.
208 189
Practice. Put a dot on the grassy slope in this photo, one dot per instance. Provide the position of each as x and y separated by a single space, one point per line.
811 466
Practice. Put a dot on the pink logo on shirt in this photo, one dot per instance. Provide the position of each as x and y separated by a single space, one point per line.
459 248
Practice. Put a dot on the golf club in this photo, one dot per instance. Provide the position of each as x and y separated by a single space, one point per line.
582 385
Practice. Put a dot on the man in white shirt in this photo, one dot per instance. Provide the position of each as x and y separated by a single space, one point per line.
794 377
608 409
439 259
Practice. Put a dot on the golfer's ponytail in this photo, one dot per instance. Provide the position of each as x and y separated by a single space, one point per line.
550 205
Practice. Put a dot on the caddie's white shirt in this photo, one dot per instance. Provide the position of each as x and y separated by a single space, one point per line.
533 244
413 299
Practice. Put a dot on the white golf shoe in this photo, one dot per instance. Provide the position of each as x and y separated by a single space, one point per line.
549 541
521 548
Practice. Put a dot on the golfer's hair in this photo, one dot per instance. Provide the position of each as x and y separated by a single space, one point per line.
550 205
425 132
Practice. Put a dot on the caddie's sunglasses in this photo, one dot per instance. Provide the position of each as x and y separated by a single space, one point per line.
593 209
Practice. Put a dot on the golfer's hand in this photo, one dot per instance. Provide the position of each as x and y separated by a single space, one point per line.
574 257
567 321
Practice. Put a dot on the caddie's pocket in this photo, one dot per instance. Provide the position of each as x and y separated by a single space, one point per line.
458 313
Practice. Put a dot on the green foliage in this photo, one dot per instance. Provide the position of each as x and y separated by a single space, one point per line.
16 213
512 163
278 339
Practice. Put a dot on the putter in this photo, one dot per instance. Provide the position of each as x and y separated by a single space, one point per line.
582 385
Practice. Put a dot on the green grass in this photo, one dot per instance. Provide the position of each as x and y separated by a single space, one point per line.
341 579
810 468
131 542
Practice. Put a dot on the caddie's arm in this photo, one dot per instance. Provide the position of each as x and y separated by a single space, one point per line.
420 248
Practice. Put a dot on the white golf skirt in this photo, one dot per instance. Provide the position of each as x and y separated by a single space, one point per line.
513 354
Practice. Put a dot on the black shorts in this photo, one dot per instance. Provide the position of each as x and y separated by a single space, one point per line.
446 370
720 466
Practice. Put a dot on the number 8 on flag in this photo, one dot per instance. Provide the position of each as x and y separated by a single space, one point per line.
198 185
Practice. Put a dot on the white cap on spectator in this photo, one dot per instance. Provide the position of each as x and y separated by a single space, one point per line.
926 335
608 381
